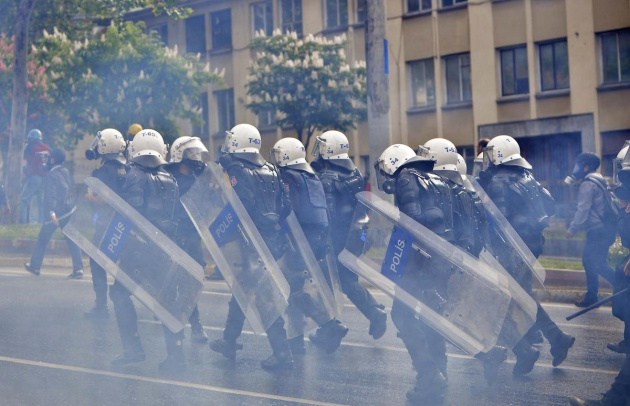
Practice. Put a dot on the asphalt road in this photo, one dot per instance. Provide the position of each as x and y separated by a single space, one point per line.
51 355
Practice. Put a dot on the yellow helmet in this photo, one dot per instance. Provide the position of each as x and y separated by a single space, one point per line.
134 129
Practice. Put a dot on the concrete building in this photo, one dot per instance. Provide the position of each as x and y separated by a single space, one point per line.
555 74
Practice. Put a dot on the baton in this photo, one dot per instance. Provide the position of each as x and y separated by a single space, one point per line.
596 305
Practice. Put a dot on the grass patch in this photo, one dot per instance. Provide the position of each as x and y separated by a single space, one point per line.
560 263
13 231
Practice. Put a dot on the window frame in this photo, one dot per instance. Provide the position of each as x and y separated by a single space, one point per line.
620 73
339 14
413 105
357 13
268 7
221 40
224 101
420 9
462 99
202 38
513 50
553 43
291 26
455 3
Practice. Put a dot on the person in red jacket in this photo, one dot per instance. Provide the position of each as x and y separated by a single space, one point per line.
35 155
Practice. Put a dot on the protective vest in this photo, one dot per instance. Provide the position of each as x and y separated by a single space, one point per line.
112 173
154 193
426 198
260 188
469 220
341 183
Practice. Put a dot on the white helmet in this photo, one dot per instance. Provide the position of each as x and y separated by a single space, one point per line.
393 157
462 168
504 150
332 145
443 152
190 148
241 138
620 162
148 148
110 141
288 151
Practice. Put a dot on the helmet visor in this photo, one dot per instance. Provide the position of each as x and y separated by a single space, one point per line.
319 147
381 177
196 154
488 156
626 160
275 156
227 142
424 152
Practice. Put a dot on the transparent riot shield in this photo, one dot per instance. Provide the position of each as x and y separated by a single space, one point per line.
300 264
138 255
237 248
331 272
508 247
461 298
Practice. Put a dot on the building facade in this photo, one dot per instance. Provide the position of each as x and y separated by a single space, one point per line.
555 74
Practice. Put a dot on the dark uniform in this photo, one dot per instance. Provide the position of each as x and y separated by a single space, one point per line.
309 204
527 206
260 189
426 198
112 173
188 239
342 181
154 193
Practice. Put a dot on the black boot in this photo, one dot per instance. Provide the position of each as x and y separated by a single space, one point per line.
560 348
378 321
526 357
175 360
98 312
132 352
226 348
278 361
491 362
297 346
535 336
429 390
281 357
197 334
331 334
621 347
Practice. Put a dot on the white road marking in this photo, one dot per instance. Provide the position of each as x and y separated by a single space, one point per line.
182 384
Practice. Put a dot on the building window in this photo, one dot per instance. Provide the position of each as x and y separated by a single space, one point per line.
451 3
418 5
267 118
422 83
161 32
615 56
262 17
202 130
196 34
514 73
336 13
361 11
458 88
292 16
225 109
554 65
221 24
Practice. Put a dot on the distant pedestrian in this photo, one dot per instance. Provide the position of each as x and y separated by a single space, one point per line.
59 204
593 216
35 154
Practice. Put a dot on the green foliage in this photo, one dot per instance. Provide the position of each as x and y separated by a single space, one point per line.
121 77
308 82
617 252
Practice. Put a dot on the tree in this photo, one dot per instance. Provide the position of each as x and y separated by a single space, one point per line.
308 83
121 77
22 15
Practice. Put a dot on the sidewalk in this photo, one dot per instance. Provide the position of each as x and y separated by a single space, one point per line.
561 285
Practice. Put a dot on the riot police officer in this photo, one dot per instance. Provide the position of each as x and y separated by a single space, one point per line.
342 181
309 204
259 187
509 182
188 157
153 192
109 145
426 198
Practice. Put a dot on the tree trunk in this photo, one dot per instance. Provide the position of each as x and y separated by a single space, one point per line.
309 135
13 165
378 108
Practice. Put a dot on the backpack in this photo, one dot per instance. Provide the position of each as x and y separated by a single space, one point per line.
611 204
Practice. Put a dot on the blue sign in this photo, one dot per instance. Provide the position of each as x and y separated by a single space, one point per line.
225 225
114 238
397 254
386 55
